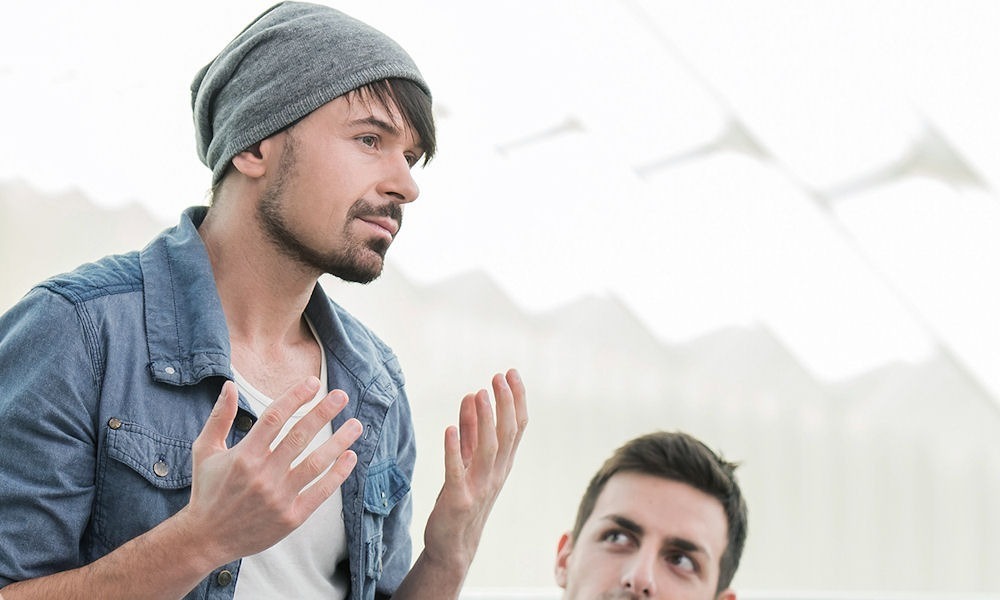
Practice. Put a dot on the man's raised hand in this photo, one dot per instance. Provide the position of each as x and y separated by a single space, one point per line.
248 497
479 454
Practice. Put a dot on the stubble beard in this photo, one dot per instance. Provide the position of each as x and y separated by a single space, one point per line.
359 262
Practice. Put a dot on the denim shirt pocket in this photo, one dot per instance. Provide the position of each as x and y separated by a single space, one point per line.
385 486
144 478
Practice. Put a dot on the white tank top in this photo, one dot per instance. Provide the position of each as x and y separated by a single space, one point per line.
304 564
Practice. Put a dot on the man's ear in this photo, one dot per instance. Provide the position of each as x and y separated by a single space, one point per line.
726 594
563 551
255 160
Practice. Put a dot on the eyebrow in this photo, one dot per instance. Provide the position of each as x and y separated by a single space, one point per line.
626 523
670 542
377 123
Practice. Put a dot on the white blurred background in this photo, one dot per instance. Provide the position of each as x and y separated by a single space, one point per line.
771 223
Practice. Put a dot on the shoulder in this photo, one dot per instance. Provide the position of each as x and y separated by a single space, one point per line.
110 275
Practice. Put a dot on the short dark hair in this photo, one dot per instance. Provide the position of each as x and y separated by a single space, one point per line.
412 102
679 457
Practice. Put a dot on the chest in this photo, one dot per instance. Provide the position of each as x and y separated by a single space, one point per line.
273 370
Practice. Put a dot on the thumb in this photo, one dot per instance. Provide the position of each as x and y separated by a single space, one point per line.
213 434
454 465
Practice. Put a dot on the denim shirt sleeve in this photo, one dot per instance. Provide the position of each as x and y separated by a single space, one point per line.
48 386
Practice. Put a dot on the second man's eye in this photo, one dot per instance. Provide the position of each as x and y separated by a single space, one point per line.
617 537
682 561
369 140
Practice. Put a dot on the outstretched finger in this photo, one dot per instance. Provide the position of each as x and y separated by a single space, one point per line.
213 435
454 462
266 430
302 433
520 404
309 500
520 395
486 446
323 457
506 417
468 428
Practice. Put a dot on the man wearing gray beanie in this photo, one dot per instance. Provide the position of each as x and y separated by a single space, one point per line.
198 419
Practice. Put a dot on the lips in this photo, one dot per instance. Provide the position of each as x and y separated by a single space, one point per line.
386 217
386 223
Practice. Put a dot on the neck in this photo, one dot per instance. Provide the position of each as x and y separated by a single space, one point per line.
263 292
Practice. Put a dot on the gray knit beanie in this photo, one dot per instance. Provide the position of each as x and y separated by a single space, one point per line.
291 60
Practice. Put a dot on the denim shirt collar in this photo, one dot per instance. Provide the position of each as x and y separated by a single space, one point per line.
185 326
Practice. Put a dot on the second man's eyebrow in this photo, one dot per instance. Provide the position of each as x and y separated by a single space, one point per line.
625 523
684 544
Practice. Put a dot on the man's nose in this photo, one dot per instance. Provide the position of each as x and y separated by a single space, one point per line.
397 181
639 575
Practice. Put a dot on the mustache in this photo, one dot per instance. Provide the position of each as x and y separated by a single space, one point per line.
362 208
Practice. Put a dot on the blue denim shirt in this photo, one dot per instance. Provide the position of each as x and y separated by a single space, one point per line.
107 375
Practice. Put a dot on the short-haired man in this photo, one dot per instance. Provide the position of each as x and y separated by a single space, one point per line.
662 518
198 419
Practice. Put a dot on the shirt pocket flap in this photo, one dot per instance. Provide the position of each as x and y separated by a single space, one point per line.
163 461
385 486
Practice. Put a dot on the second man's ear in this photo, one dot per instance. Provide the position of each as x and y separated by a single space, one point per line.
563 551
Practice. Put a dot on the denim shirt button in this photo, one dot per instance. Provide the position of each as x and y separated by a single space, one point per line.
244 423
224 578
169 371
160 468
114 423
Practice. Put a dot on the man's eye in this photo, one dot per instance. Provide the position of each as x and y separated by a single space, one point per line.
369 140
682 561
618 538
